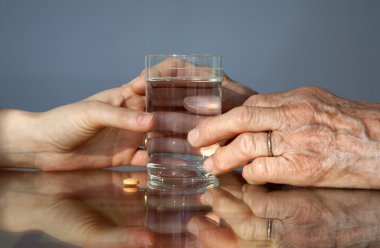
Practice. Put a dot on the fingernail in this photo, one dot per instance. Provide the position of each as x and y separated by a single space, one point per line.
204 105
145 241
144 118
208 165
193 228
193 136
206 198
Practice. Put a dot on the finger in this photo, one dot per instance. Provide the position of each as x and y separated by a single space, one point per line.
162 95
177 67
110 96
174 122
99 115
243 148
122 237
203 105
199 223
135 103
234 94
210 234
274 205
140 158
239 120
232 179
272 170
138 84
171 145
236 214
235 191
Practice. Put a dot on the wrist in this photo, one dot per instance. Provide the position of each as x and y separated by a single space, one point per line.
369 163
17 141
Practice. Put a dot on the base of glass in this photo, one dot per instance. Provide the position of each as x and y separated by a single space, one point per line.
181 185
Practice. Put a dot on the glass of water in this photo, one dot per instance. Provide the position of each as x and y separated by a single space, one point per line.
182 90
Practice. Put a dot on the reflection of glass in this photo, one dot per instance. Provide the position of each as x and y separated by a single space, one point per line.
168 215
181 91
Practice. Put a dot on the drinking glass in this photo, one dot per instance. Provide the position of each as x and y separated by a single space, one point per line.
182 90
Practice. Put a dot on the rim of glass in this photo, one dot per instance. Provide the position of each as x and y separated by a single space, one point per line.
191 56
183 55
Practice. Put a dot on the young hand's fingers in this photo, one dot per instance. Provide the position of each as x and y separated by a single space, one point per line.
139 158
116 96
99 115
238 120
138 84
135 103
111 96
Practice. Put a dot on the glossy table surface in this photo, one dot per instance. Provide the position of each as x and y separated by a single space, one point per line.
93 209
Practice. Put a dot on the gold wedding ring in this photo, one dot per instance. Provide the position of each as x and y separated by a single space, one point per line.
143 147
269 143
269 229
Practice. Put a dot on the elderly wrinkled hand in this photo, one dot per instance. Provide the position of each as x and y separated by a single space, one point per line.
306 136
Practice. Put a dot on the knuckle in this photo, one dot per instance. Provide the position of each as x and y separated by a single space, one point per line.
243 116
247 144
301 112
262 168
253 100
248 174
309 90
217 161
219 203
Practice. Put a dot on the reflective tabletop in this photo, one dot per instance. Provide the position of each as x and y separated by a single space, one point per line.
94 208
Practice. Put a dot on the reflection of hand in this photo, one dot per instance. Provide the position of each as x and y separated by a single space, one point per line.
317 139
300 218
82 209
100 131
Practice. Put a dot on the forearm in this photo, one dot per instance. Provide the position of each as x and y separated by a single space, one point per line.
17 138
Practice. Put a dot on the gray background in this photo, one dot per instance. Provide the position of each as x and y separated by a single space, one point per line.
53 52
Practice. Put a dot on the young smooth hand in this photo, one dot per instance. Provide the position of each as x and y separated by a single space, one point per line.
80 208
101 131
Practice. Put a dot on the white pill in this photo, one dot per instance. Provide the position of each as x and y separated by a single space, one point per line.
131 181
